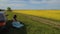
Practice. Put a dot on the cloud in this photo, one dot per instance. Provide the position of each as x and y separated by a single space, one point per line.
4 0
45 1
13 6
30 4
9 3
20 5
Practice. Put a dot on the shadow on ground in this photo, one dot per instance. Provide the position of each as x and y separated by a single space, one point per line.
11 30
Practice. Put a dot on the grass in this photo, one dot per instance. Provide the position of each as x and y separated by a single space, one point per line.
32 27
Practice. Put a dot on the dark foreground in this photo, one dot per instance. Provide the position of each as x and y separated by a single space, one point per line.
10 30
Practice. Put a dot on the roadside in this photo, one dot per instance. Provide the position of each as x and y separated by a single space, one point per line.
42 20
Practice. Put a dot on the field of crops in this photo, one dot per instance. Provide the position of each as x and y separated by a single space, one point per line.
53 14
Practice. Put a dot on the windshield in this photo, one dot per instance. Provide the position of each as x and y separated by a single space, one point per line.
2 18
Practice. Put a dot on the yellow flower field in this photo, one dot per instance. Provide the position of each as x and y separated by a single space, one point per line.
53 14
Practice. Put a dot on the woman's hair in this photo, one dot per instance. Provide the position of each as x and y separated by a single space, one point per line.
14 18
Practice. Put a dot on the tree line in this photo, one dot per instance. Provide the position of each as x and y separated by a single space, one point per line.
8 9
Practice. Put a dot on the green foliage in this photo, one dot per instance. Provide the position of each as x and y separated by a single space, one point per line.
9 9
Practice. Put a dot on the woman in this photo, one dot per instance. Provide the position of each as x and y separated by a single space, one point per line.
14 18
15 23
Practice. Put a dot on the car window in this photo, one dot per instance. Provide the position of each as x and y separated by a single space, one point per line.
2 18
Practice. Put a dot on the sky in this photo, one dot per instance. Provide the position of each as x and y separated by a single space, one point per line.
30 4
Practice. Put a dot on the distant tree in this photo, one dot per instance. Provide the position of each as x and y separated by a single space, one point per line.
2 10
9 9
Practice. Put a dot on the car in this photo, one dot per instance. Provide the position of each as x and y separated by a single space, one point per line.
2 20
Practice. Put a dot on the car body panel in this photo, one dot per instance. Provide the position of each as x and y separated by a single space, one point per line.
2 19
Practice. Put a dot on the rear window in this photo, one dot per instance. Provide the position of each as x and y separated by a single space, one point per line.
2 18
